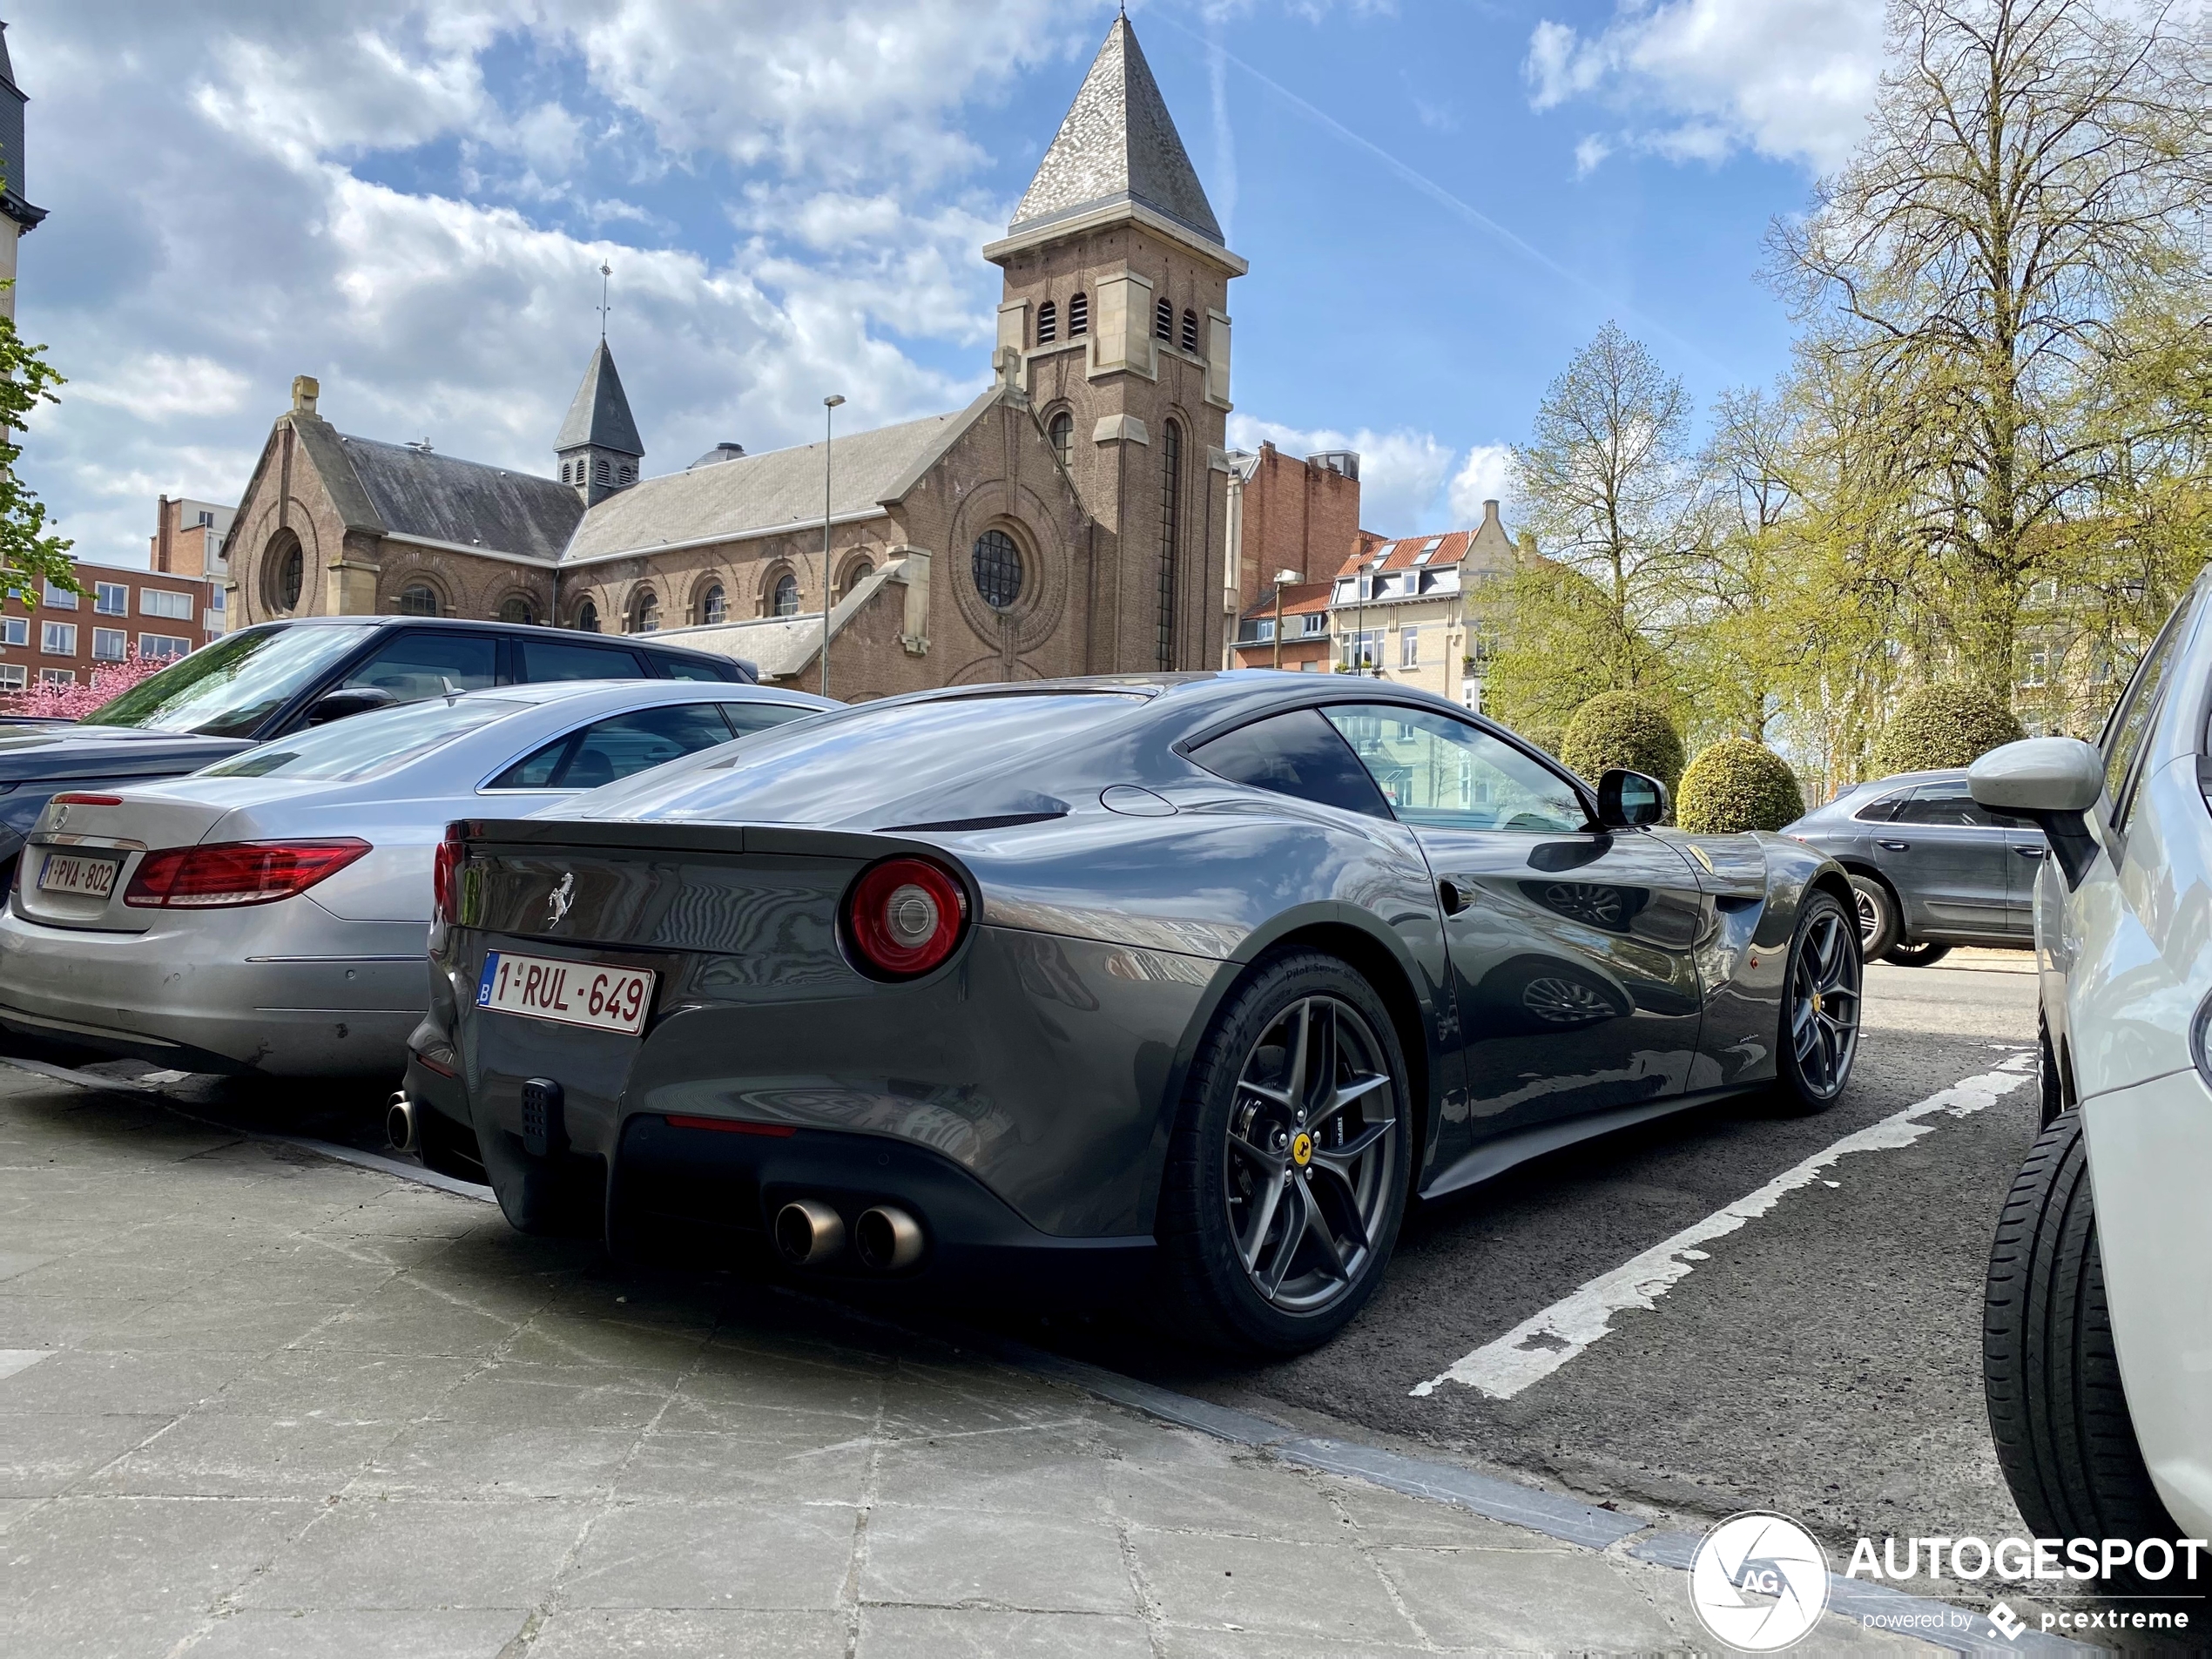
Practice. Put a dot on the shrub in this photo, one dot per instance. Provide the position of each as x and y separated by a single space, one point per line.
74 699
1950 723
1738 785
1623 729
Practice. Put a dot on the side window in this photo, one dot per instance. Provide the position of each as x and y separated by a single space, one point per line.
608 750
690 668
1942 804
746 718
2131 721
1435 772
1295 755
412 666
1880 811
557 659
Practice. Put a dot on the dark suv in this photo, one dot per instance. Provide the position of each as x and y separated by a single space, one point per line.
1931 868
266 681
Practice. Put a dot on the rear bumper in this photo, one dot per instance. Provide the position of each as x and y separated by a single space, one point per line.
339 1002
715 1193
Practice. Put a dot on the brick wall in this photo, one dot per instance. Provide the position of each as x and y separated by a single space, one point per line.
114 613
1297 517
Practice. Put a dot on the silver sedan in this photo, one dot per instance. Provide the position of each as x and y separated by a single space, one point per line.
268 913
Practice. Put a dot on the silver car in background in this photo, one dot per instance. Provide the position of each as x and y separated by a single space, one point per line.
269 913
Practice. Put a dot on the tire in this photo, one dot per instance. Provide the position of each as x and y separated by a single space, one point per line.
2050 1374
1878 916
1239 1147
1821 988
1915 956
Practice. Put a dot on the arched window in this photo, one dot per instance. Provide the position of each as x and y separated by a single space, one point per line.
1163 322
284 572
714 606
518 610
602 471
1048 323
645 613
1061 432
417 599
996 564
1170 534
1191 332
587 617
629 474
855 574
785 602
1078 316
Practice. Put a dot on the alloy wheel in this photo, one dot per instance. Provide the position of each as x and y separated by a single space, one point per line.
1824 1004
1870 917
1311 1156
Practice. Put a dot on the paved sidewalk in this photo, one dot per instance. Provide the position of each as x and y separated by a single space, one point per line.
253 1401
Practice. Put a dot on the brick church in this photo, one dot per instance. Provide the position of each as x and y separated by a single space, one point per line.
1071 519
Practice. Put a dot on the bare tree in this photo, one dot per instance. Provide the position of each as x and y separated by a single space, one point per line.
1609 486
2033 168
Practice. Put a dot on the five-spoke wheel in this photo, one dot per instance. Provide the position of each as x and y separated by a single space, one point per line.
1821 1003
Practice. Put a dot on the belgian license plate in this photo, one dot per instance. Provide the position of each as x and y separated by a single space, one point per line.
538 988
68 873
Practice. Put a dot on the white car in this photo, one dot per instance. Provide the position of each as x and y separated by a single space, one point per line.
269 913
2098 1333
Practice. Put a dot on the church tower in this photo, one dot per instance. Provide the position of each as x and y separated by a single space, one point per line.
1116 324
598 447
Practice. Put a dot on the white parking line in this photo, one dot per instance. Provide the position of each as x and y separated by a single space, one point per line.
1541 1344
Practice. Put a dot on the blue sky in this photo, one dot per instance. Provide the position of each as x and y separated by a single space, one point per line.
1442 199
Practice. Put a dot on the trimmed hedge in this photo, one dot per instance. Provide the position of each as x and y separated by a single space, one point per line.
1623 729
1950 723
1738 785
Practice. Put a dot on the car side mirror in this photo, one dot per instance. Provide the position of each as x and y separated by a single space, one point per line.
2055 783
1630 800
345 703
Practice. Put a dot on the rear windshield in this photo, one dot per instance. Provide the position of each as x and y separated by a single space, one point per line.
838 766
226 689
367 745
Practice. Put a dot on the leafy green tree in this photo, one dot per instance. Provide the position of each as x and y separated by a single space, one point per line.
1738 785
1623 729
1950 724
29 553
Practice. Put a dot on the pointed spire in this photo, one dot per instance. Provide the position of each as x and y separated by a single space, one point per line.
599 418
1118 144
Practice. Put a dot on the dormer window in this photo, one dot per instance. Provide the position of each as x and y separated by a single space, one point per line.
1163 322
1078 316
1191 332
1048 323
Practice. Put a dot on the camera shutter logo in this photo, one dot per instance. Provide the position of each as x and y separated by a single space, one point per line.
1759 1582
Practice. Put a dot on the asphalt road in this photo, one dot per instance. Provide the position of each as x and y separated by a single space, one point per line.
1824 1359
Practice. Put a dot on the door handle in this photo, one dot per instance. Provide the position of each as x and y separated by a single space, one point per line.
1453 897
2029 852
1895 846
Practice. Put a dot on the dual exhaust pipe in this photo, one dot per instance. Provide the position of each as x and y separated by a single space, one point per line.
399 1121
885 1238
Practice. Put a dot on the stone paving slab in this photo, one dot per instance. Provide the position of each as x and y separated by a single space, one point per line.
278 1404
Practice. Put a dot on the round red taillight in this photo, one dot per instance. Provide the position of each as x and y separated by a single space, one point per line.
903 917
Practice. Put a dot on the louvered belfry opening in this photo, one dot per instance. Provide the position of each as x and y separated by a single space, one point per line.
1170 534
1078 316
1191 332
1048 323
1163 322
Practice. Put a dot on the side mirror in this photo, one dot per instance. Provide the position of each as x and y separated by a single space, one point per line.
2054 782
344 704
1630 800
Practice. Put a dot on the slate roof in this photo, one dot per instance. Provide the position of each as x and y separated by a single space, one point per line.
770 491
444 499
600 414
1118 143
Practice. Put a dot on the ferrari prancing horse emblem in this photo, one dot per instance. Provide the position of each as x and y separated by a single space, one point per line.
558 902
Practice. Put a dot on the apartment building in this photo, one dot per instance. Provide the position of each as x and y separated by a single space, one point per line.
1413 611
65 636
188 540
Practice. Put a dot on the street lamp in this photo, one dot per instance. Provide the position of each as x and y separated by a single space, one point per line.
1283 578
829 405
1360 642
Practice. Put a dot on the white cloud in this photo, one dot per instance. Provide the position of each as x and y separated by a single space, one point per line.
1791 79
412 205
1486 475
1589 154
1403 474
